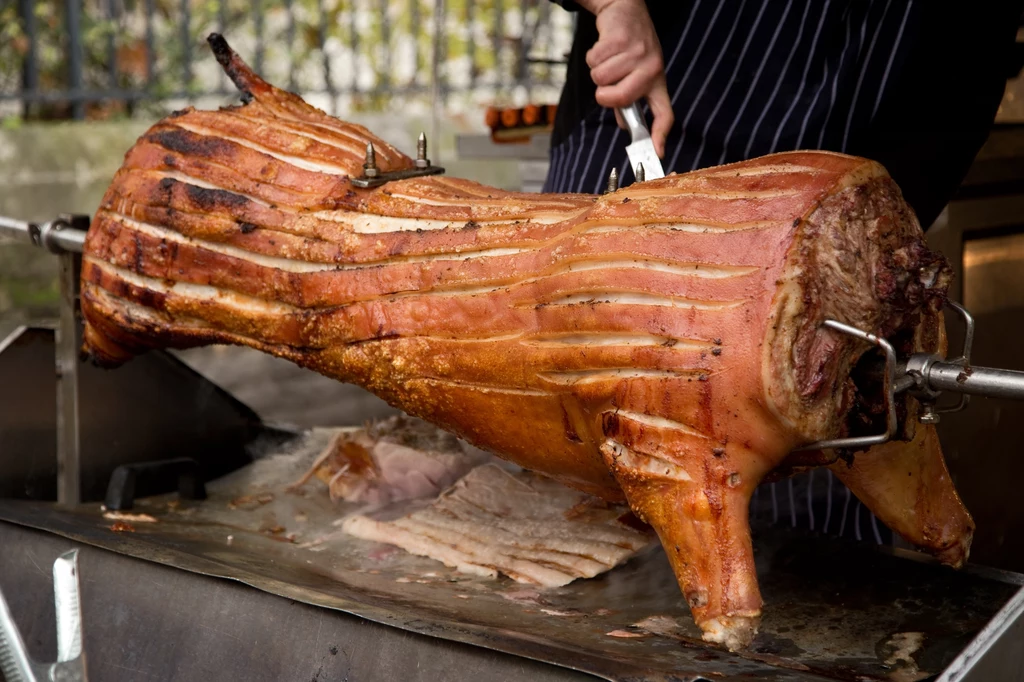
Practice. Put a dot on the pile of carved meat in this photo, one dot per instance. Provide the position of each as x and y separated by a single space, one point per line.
476 515
661 345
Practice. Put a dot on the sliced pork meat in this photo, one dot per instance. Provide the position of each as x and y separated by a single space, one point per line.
662 345
395 459
519 524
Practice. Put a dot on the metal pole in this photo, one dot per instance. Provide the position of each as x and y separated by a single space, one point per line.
18 229
186 45
414 30
111 46
222 27
150 53
353 34
56 236
498 38
983 381
291 44
523 48
257 15
321 39
30 70
74 22
69 488
384 81
435 80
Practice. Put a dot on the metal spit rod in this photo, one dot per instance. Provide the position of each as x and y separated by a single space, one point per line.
983 381
66 234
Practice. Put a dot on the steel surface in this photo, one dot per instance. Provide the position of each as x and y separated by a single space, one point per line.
833 610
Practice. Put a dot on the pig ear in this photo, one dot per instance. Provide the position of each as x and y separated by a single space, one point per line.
244 78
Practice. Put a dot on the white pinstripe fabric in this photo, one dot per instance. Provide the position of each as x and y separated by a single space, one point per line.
753 85
703 88
892 56
803 84
778 83
835 88
590 157
732 78
863 70
579 153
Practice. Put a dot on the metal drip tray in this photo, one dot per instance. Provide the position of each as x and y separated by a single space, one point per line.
834 610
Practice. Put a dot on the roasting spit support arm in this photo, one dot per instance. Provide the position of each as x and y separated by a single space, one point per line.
65 237
68 341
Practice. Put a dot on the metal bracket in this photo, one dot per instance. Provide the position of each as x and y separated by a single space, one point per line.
918 368
373 177
890 396
390 176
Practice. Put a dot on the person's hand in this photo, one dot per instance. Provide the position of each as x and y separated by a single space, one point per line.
627 65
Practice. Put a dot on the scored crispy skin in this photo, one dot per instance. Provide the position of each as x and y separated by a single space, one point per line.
661 344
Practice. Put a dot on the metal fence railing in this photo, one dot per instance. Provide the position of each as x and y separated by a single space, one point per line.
76 58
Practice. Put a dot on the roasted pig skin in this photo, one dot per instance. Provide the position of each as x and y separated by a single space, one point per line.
661 344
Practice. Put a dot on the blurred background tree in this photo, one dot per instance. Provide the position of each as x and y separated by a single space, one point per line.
137 57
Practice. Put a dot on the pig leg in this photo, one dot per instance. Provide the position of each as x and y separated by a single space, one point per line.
699 505
908 487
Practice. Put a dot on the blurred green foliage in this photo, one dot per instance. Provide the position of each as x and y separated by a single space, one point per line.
382 47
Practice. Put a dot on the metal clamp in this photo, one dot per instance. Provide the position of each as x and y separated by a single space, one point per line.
373 177
890 396
964 359
919 368
17 665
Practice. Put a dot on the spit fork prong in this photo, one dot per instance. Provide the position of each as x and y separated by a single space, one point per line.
965 355
890 396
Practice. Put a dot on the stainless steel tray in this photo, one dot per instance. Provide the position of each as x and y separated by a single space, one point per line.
834 610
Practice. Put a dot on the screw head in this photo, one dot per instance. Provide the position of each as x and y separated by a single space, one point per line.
421 152
370 167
